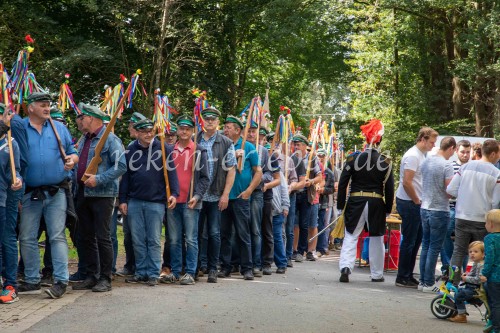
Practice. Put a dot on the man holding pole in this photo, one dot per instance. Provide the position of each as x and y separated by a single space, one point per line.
370 200
222 171
238 212
95 196
51 157
192 170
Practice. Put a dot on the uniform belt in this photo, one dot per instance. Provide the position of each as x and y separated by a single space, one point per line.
366 194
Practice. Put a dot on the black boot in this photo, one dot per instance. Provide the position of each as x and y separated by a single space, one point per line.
344 274
103 285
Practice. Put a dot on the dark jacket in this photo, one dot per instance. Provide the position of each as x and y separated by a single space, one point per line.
329 188
201 176
144 178
219 150
367 172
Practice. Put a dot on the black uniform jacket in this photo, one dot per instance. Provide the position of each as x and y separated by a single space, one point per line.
367 172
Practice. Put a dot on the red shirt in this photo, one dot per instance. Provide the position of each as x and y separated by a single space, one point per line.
84 155
183 160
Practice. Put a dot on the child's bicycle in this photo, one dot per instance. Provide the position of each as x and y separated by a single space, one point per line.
443 306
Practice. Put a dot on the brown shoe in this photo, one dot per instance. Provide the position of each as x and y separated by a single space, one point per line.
459 318
165 271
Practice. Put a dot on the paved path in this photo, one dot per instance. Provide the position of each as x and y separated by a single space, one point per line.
308 298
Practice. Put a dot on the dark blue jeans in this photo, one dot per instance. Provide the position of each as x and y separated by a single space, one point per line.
210 216
290 222
493 292
9 249
463 295
411 230
279 246
237 214
434 227
322 244
303 209
256 209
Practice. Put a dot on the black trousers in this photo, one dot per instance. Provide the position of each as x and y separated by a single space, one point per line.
267 234
94 224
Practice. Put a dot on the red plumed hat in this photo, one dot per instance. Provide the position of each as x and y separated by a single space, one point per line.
373 131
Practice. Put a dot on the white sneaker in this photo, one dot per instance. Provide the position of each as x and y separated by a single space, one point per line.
430 289
420 286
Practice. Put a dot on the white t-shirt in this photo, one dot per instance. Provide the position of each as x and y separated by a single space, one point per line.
412 160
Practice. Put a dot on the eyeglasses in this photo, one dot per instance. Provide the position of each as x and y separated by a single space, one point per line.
145 130
209 118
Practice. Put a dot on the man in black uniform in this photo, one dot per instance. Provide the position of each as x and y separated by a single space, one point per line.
370 174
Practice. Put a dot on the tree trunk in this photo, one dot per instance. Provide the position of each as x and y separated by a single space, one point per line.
484 107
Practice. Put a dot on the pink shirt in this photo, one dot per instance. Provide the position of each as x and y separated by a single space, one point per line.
183 159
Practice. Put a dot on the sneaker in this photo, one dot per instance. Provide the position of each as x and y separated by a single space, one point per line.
169 279
102 285
57 290
135 279
281 270
267 270
414 281
248 275
165 271
187 279
46 280
257 272
202 271
152 282
8 295
420 286
382 279
310 256
124 272
29 289
299 258
294 256
224 274
289 263
430 289
212 276
87 284
488 327
77 277
337 247
406 283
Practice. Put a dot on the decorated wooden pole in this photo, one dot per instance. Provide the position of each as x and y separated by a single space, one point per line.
245 133
160 125
313 147
198 124
96 160
7 122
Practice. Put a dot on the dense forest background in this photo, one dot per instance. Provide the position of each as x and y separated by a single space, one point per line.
408 62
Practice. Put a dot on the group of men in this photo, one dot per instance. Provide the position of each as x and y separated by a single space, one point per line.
227 203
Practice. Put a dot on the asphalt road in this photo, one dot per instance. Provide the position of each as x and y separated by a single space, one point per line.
308 298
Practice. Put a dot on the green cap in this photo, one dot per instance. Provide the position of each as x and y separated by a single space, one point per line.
144 124
210 111
321 151
267 146
173 128
2 108
136 116
300 138
185 120
234 120
93 111
270 136
263 131
56 114
38 97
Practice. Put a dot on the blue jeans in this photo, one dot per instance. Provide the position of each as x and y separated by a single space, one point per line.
256 206
53 209
493 290
182 220
145 220
290 222
411 230
434 227
279 247
322 244
210 216
9 249
114 238
463 295
303 209
237 214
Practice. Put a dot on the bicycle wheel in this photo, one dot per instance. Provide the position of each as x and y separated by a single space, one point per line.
442 310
